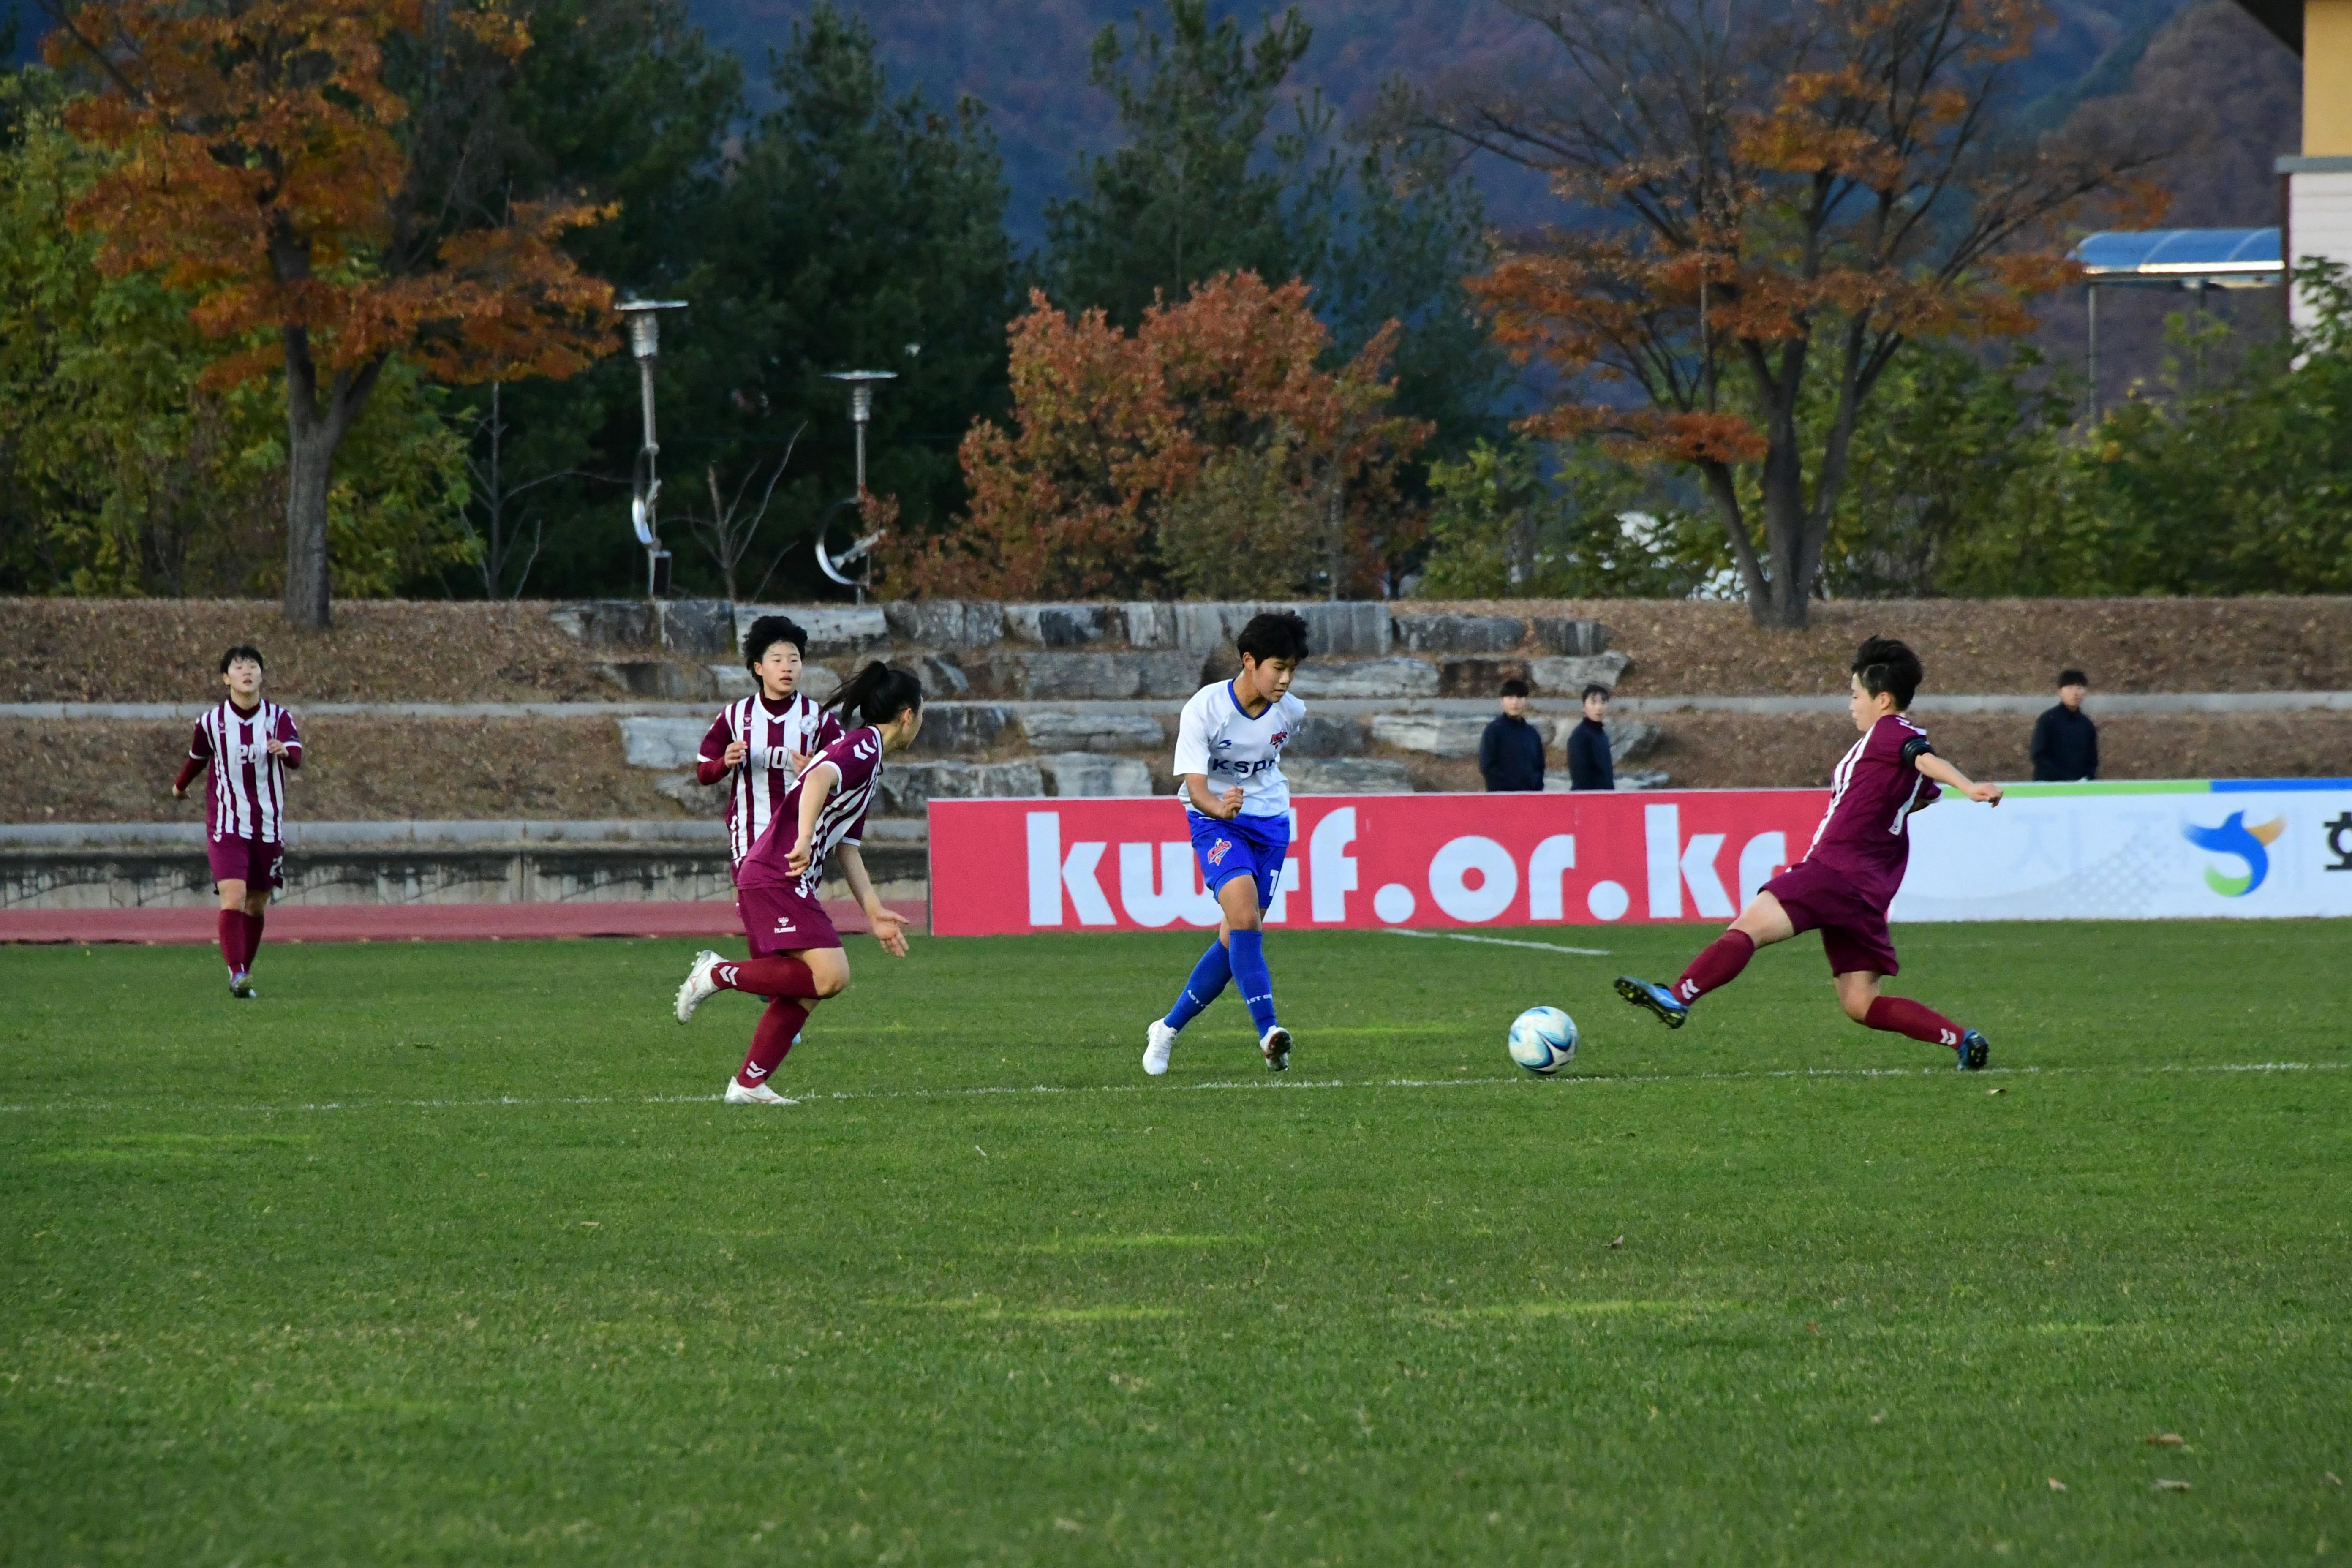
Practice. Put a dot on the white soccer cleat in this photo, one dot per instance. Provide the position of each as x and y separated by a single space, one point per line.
1274 1047
697 987
240 985
1159 1039
758 1094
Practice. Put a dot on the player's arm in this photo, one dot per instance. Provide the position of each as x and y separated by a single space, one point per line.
720 754
286 745
817 785
1192 766
200 751
1224 807
890 926
1932 766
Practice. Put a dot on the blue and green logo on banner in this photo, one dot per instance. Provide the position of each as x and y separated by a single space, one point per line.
2235 839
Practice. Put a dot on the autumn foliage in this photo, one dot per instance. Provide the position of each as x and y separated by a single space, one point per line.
1208 444
320 221
1799 192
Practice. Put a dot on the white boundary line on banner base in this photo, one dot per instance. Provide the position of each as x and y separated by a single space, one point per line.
1260 1085
1498 941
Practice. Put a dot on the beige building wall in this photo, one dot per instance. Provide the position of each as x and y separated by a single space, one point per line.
2328 79
2319 193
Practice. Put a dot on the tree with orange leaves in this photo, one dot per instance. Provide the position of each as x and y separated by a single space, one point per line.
267 164
1777 196
1114 433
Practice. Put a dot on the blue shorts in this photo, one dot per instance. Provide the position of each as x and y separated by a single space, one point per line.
1247 845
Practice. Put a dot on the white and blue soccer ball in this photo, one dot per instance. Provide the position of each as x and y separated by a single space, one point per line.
1543 1040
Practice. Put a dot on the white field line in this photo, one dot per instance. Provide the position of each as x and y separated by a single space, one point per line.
1501 942
1247 1085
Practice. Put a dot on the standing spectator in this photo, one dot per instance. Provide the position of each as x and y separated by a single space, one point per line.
1511 751
2065 741
1590 765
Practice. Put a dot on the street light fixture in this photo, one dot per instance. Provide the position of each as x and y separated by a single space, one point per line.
861 415
644 343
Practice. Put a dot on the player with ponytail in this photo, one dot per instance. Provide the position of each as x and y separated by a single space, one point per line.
796 955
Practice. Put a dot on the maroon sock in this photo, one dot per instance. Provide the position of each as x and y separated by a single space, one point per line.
232 940
252 939
770 977
771 1040
1901 1015
1718 963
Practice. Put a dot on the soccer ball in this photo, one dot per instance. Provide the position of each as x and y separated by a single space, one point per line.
1543 1040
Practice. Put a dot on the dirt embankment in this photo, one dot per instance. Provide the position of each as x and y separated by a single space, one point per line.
354 770
154 650
168 650
1748 751
363 769
1973 646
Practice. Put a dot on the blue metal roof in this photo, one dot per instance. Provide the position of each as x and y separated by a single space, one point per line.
2224 256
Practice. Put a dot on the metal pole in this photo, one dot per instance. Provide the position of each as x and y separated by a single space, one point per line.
645 389
2091 302
861 414
644 343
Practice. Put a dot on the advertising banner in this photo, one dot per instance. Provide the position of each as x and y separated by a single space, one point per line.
1426 861
2240 847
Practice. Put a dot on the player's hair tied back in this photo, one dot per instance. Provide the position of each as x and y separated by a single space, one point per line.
877 695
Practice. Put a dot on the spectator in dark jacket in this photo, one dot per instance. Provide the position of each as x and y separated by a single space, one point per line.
2065 741
1511 751
1589 762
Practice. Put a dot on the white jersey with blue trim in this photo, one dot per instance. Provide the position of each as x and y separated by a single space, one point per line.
1218 740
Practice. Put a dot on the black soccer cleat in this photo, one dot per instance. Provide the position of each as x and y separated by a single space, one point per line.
1656 998
1975 1050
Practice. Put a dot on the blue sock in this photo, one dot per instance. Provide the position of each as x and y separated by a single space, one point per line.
1257 984
1208 979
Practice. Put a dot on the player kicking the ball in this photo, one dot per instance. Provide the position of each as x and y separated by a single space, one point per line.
1230 740
1847 879
248 745
796 955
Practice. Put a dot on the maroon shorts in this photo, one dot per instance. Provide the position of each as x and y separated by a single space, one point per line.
783 919
1852 925
258 863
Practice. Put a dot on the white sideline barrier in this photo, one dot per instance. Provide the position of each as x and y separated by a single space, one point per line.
2241 848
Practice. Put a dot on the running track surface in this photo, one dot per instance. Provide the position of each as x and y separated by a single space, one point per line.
418 922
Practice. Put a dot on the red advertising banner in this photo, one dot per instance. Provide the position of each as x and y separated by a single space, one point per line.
1422 861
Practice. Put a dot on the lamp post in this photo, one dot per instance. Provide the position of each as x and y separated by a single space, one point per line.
644 343
861 415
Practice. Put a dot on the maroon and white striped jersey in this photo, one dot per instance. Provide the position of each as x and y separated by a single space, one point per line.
857 756
758 784
1872 793
245 788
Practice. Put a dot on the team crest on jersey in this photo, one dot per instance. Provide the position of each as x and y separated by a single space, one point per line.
1217 851
1279 737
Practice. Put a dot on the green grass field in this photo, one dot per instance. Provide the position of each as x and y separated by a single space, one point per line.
447 1254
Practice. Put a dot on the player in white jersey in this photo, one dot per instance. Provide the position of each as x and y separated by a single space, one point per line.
796 955
248 745
1238 804
760 743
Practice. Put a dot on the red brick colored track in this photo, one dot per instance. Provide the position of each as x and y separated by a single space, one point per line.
417 923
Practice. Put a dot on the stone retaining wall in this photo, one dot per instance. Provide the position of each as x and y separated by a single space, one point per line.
1103 652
